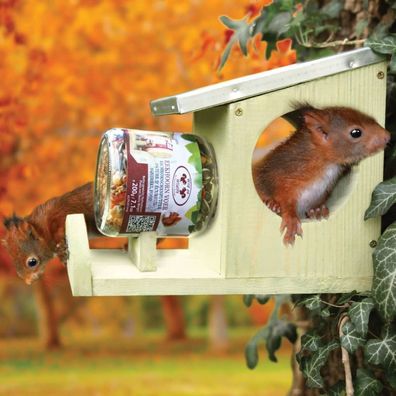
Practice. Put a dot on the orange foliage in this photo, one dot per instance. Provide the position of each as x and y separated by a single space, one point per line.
73 69
276 131
254 8
283 55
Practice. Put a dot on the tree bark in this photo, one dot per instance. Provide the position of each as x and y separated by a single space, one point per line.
218 334
174 318
48 321
298 387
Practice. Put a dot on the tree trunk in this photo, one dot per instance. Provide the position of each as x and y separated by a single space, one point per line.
298 388
173 317
48 321
355 11
218 334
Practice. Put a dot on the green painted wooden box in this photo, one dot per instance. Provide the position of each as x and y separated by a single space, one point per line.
242 251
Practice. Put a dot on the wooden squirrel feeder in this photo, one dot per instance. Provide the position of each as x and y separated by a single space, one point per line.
242 251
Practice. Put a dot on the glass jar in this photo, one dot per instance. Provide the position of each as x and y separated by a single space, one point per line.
154 181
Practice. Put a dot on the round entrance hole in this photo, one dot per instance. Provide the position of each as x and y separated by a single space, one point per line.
277 133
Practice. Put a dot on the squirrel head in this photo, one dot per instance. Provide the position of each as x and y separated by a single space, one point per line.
28 250
344 134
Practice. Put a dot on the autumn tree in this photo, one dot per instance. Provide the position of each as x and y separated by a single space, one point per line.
70 71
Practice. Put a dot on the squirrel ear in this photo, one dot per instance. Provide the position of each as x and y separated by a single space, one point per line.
316 123
32 232
12 221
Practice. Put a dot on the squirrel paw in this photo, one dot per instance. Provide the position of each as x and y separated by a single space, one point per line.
273 205
319 213
293 227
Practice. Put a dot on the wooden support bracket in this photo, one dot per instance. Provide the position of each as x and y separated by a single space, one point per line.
79 261
143 251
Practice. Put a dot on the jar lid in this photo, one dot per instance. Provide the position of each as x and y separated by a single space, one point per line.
111 166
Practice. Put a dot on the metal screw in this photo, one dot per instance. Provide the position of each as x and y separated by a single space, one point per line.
380 75
238 112
373 244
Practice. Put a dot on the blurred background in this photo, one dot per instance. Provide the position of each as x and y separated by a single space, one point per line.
70 70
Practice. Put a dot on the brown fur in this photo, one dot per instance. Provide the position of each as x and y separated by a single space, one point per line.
323 139
41 235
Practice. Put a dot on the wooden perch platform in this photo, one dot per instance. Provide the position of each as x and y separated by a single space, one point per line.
101 272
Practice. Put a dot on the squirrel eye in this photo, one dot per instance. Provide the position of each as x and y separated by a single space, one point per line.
32 262
356 133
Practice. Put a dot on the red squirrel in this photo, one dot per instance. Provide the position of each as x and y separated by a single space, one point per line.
296 178
35 239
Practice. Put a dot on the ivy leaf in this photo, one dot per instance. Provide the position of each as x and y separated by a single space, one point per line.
261 299
226 53
383 197
384 281
260 23
325 313
366 384
277 329
359 313
272 333
248 299
346 297
279 23
231 23
391 378
311 341
332 9
351 339
298 20
337 390
392 64
385 45
251 350
311 365
380 31
313 302
251 354
241 31
383 351
272 344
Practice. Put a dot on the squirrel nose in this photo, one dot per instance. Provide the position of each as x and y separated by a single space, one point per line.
383 140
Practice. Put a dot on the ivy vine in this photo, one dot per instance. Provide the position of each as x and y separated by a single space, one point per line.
359 327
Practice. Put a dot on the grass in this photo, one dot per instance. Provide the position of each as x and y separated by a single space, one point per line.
147 367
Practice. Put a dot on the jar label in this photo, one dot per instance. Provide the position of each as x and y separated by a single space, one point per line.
164 182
